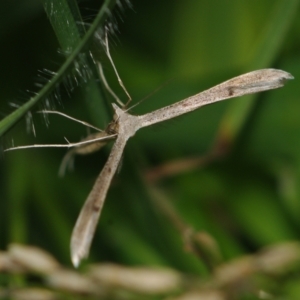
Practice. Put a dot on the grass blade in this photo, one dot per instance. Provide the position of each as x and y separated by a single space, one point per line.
14 117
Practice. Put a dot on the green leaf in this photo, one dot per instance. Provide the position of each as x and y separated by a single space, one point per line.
14 117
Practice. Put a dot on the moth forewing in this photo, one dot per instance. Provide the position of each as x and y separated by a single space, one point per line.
126 125
86 223
249 83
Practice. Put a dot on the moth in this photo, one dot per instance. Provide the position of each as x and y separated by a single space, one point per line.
124 126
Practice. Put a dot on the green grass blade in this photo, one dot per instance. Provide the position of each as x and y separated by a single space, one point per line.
15 116
69 29
66 22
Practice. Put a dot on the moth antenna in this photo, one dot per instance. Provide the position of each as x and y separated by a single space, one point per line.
148 96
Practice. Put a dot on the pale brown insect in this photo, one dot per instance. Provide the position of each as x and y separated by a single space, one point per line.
124 126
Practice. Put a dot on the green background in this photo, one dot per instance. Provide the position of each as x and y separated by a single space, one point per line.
246 199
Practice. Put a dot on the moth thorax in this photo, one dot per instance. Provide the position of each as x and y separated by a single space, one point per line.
113 127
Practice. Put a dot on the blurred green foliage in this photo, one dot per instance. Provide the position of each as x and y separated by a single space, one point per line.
246 200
